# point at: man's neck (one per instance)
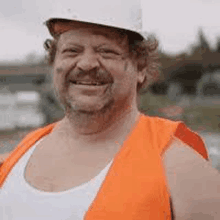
(114, 130)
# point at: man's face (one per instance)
(93, 72)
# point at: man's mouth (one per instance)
(89, 83)
(90, 87)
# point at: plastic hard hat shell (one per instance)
(124, 14)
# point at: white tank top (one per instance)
(20, 201)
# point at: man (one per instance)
(105, 160)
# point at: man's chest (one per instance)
(54, 174)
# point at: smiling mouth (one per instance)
(88, 83)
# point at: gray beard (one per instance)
(74, 110)
(90, 122)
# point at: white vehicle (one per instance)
(209, 84)
(21, 110)
(27, 109)
(7, 103)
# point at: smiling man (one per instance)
(104, 159)
(95, 77)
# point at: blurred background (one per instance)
(188, 88)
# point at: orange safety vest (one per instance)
(135, 187)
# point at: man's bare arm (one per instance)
(194, 185)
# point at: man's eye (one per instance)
(70, 51)
(107, 51)
(109, 54)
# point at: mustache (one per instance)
(101, 76)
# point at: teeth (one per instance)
(88, 83)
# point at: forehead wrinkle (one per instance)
(108, 33)
(111, 35)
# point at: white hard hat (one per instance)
(123, 14)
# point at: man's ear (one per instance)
(142, 74)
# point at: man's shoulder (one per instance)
(164, 128)
(29, 139)
(3, 157)
(161, 121)
(39, 132)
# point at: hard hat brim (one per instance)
(57, 26)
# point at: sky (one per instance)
(174, 22)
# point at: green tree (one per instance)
(203, 42)
(218, 45)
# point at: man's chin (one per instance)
(90, 109)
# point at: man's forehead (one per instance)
(92, 31)
(109, 33)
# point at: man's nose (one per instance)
(88, 61)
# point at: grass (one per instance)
(150, 101)
(197, 117)
(203, 118)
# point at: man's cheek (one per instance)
(125, 65)
(59, 70)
